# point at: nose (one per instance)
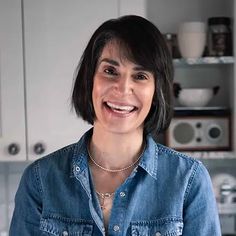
(124, 85)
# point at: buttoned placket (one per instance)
(117, 220)
(118, 213)
(83, 177)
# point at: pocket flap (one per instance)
(162, 227)
(67, 227)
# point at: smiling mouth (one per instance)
(126, 109)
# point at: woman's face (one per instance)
(122, 92)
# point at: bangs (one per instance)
(132, 52)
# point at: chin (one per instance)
(124, 130)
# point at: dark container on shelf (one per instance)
(219, 36)
(171, 41)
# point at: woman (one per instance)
(117, 180)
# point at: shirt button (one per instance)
(77, 168)
(116, 228)
(158, 234)
(135, 232)
(122, 194)
(65, 233)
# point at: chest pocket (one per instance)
(58, 227)
(162, 227)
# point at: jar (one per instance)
(171, 41)
(219, 36)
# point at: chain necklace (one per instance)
(103, 197)
(116, 170)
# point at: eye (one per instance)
(110, 70)
(141, 76)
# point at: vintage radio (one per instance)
(199, 133)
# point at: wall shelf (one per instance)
(203, 61)
(212, 154)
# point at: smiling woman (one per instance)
(139, 43)
(117, 180)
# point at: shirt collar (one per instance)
(80, 155)
(148, 161)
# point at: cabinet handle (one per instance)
(39, 148)
(13, 149)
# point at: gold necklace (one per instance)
(116, 170)
(103, 197)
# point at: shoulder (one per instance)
(179, 164)
(59, 161)
(187, 165)
(51, 169)
(166, 163)
(166, 154)
(185, 170)
(59, 156)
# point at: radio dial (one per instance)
(214, 132)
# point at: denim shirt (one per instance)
(168, 194)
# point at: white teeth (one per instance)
(123, 108)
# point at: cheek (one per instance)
(99, 91)
(101, 85)
(96, 90)
(148, 95)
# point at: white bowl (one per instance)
(195, 97)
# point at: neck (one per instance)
(114, 150)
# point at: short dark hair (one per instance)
(146, 47)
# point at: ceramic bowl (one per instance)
(196, 97)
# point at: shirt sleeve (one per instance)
(200, 209)
(28, 204)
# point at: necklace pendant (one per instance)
(107, 195)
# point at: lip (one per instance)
(120, 109)
(124, 107)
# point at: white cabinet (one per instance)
(41, 44)
(12, 112)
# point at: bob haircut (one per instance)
(143, 44)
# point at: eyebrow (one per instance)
(110, 61)
(116, 63)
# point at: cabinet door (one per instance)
(12, 113)
(56, 33)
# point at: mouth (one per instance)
(120, 109)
